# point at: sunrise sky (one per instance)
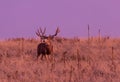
(21, 18)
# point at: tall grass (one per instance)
(74, 61)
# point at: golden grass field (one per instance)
(75, 60)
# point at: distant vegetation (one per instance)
(76, 60)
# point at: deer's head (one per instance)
(44, 38)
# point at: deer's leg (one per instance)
(46, 56)
(50, 57)
(38, 56)
(41, 56)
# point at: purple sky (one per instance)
(21, 18)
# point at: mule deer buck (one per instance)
(45, 47)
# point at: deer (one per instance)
(45, 47)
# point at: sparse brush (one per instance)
(59, 40)
(113, 63)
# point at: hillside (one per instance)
(75, 60)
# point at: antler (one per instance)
(57, 31)
(40, 33)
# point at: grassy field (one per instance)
(75, 60)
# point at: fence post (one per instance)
(22, 46)
(112, 54)
(99, 35)
(88, 34)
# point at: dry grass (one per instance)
(75, 61)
